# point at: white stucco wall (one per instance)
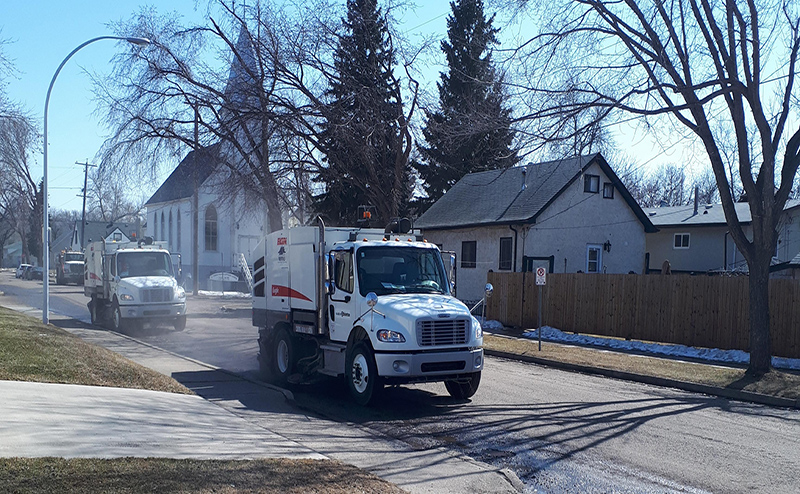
(573, 221)
(789, 235)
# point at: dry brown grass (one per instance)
(138, 475)
(776, 383)
(31, 351)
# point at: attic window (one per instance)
(608, 190)
(591, 183)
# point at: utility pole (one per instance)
(195, 206)
(85, 166)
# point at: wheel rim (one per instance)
(359, 373)
(117, 319)
(283, 356)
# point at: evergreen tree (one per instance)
(471, 131)
(364, 136)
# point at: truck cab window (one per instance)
(343, 271)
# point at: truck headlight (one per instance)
(476, 326)
(180, 293)
(126, 297)
(388, 336)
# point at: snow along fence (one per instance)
(698, 311)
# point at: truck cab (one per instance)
(374, 307)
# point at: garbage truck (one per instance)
(375, 306)
(132, 283)
(69, 267)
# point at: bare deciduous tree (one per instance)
(716, 69)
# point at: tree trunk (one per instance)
(760, 342)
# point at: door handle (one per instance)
(330, 311)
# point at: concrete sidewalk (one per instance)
(41, 419)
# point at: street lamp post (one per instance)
(45, 220)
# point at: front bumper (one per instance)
(152, 311)
(422, 366)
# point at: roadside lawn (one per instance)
(31, 351)
(140, 475)
(775, 383)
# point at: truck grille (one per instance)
(150, 295)
(437, 332)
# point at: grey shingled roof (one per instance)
(707, 214)
(180, 183)
(497, 197)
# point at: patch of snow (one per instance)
(675, 351)
(206, 293)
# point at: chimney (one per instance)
(524, 173)
(696, 191)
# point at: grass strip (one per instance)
(138, 475)
(775, 383)
(32, 351)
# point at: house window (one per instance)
(591, 183)
(608, 190)
(170, 230)
(505, 253)
(211, 228)
(178, 230)
(594, 258)
(117, 237)
(469, 253)
(681, 241)
(161, 235)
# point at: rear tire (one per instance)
(361, 374)
(464, 390)
(282, 357)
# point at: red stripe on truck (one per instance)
(285, 291)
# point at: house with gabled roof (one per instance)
(696, 239)
(570, 215)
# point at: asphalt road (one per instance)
(558, 431)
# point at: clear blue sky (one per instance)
(42, 32)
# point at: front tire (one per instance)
(116, 317)
(361, 374)
(283, 357)
(93, 314)
(466, 389)
(179, 323)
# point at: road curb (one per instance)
(733, 394)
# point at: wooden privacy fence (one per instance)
(698, 311)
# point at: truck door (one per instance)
(342, 306)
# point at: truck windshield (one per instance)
(73, 257)
(389, 269)
(143, 263)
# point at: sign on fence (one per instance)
(541, 276)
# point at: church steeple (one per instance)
(241, 83)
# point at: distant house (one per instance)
(698, 241)
(94, 231)
(571, 215)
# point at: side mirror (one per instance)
(372, 299)
(488, 289)
(116, 279)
